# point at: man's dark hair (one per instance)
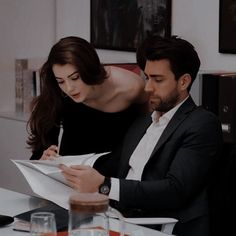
(180, 53)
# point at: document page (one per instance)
(46, 180)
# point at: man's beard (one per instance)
(168, 103)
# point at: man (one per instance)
(166, 156)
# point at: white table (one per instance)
(13, 203)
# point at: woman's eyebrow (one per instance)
(72, 74)
(68, 75)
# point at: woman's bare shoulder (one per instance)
(126, 76)
(130, 84)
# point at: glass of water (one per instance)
(43, 224)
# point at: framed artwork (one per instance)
(123, 24)
(227, 26)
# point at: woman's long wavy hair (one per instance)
(46, 109)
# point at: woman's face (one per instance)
(70, 82)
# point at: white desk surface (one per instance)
(13, 203)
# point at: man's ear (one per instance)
(185, 81)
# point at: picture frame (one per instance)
(123, 24)
(227, 26)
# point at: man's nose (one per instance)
(149, 86)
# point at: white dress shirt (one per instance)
(144, 149)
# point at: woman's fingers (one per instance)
(50, 153)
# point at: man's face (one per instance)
(164, 91)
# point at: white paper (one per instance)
(46, 180)
(68, 160)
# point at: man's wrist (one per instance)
(105, 187)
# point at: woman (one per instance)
(94, 104)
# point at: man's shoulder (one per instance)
(201, 115)
(190, 107)
(200, 110)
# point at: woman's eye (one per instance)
(75, 77)
(60, 81)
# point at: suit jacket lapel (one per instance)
(177, 119)
(133, 139)
(141, 127)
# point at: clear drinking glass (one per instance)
(43, 224)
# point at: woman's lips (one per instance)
(76, 95)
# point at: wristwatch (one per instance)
(105, 187)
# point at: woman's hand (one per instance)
(50, 153)
(83, 178)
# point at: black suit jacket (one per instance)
(175, 179)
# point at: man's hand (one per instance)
(83, 178)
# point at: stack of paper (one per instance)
(46, 179)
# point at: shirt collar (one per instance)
(158, 117)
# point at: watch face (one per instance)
(104, 189)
